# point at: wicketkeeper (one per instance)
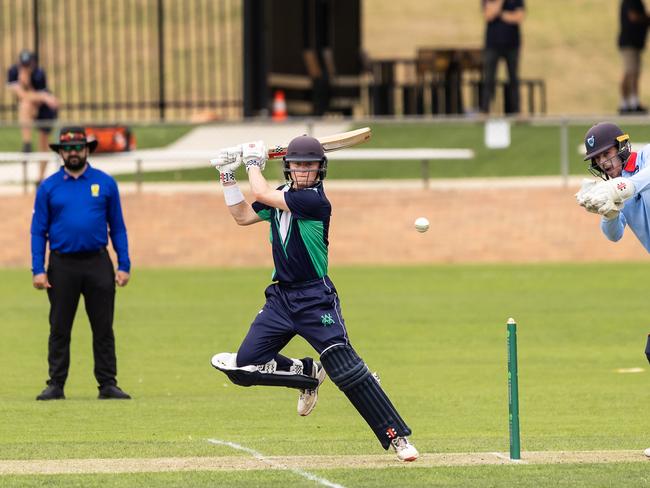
(302, 300)
(621, 198)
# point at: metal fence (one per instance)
(130, 59)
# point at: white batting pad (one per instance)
(226, 361)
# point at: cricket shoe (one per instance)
(404, 449)
(308, 398)
(112, 392)
(52, 392)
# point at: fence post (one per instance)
(35, 8)
(564, 151)
(161, 61)
(25, 178)
(425, 173)
(138, 175)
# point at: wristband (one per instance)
(233, 195)
(227, 177)
(254, 162)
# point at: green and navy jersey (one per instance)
(299, 237)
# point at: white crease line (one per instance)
(507, 458)
(261, 457)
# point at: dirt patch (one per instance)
(369, 226)
(238, 463)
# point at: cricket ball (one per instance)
(421, 224)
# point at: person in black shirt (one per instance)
(502, 40)
(631, 41)
(35, 102)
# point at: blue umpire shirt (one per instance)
(76, 215)
(636, 212)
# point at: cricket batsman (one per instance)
(302, 300)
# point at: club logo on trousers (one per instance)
(327, 320)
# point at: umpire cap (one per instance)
(70, 136)
(601, 137)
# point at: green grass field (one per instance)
(435, 334)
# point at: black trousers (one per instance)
(73, 275)
(490, 61)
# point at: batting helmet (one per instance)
(305, 149)
(600, 138)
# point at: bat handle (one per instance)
(277, 153)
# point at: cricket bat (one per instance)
(330, 143)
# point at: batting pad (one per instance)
(348, 371)
(263, 375)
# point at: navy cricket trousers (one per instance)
(311, 310)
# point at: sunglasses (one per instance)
(73, 147)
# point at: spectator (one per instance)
(75, 210)
(631, 41)
(35, 102)
(502, 40)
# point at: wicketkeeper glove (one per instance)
(254, 154)
(607, 194)
(226, 162)
(612, 214)
(587, 185)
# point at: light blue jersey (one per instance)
(636, 212)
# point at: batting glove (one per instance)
(226, 162)
(254, 154)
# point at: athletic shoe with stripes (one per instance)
(308, 398)
(404, 449)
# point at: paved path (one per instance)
(204, 138)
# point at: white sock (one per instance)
(633, 101)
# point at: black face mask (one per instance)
(74, 163)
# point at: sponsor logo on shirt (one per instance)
(94, 190)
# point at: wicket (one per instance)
(513, 389)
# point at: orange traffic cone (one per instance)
(279, 106)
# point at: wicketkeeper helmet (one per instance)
(305, 149)
(600, 138)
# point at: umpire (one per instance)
(75, 210)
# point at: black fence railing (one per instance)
(110, 60)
